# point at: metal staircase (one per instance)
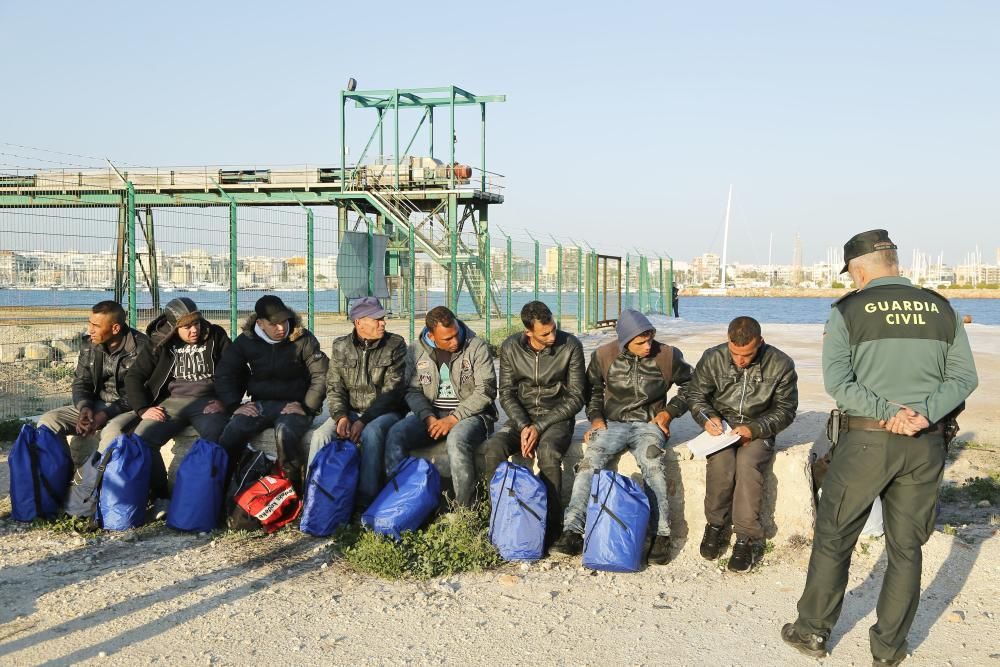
(470, 263)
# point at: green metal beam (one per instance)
(285, 197)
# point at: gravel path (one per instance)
(155, 596)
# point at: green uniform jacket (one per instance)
(894, 343)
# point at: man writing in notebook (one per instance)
(752, 387)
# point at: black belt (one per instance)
(852, 423)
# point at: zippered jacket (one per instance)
(293, 369)
(367, 377)
(764, 396)
(541, 388)
(97, 377)
(146, 382)
(635, 389)
(472, 374)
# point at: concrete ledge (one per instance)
(788, 509)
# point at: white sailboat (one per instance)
(721, 290)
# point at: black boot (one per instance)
(743, 556)
(810, 644)
(570, 544)
(711, 542)
(659, 552)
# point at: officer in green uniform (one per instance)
(897, 361)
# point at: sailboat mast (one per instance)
(725, 236)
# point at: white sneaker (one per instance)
(160, 507)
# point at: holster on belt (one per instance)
(833, 423)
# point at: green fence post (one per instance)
(628, 272)
(664, 300)
(310, 270)
(670, 284)
(579, 289)
(233, 270)
(133, 309)
(453, 237)
(371, 257)
(412, 261)
(487, 287)
(559, 284)
(510, 262)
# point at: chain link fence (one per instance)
(59, 258)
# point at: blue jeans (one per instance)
(372, 451)
(646, 442)
(462, 440)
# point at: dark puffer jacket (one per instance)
(636, 389)
(367, 377)
(146, 382)
(292, 370)
(541, 388)
(100, 376)
(764, 395)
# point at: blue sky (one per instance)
(624, 124)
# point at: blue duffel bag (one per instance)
(617, 520)
(518, 502)
(410, 496)
(40, 473)
(330, 487)
(124, 492)
(196, 503)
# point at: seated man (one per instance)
(754, 388)
(452, 388)
(542, 383)
(171, 385)
(628, 409)
(99, 404)
(365, 386)
(279, 364)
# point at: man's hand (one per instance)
(596, 425)
(84, 422)
(529, 440)
(744, 432)
(713, 426)
(214, 407)
(356, 428)
(293, 408)
(343, 428)
(662, 419)
(248, 410)
(155, 413)
(906, 422)
(439, 428)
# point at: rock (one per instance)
(324, 566)
(956, 616)
(510, 580)
(10, 352)
(66, 346)
(37, 352)
(984, 503)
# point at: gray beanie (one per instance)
(631, 323)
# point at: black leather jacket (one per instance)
(369, 379)
(764, 395)
(100, 376)
(291, 370)
(541, 388)
(636, 389)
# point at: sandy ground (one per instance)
(155, 596)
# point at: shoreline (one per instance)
(800, 293)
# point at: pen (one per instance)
(705, 417)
